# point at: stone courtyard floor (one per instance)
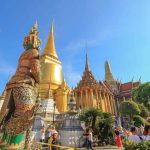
(104, 148)
(99, 148)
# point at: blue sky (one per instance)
(114, 30)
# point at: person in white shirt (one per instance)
(53, 130)
(42, 134)
(90, 138)
(134, 136)
(147, 133)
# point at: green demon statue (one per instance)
(17, 113)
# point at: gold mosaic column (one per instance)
(100, 99)
(105, 102)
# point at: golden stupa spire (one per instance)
(108, 74)
(50, 45)
(86, 63)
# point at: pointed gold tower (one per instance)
(108, 74)
(51, 68)
(50, 45)
(109, 77)
(86, 62)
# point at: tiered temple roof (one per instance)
(88, 79)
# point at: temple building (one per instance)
(51, 70)
(105, 95)
(91, 93)
(126, 90)
(122, 91)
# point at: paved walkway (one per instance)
(98, 148)
(105, 148)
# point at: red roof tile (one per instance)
(126, 86)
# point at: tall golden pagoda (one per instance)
(109, 77)
(51, 74)
(51, 68)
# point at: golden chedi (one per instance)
(51, 74)
(51, 68)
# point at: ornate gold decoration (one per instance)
(51, 67)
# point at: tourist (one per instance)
(48, 134)
(140, 131)
(118, 138)
(42, 136)
(53, 130)
(90, 138)
(86, 137)
(134, 136)
(146, 133)
(128, 132)
(124, 134)
(55, 141)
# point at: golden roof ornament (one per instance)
(32, 41)
(50, 49)
(108, 73)
(87, 77)
(86, 63)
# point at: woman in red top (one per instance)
(118, 139)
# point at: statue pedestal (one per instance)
(71, 133)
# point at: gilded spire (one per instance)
(108, 74)
(86, 63)
(50, 45)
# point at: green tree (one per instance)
(142, 94)
(101, 122)
(90, 116)
(105, 128)
(129, 108)
(144, 111)
(138, 121)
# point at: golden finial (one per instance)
(86, 63)
(36, 25)
(34, 29)
(50, 45)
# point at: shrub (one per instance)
(138, 121)
(144, 111)
(129, 108)
(133, 146)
